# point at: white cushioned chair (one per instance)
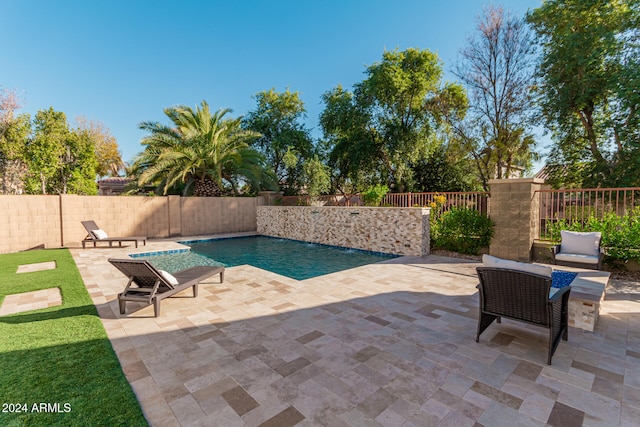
(581, 250)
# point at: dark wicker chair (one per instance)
(148, 285)
(523, 296)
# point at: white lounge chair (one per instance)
(581, 250)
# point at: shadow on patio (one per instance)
(396, 358)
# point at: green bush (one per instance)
(620, 234)
(461, 230)
(373, 195)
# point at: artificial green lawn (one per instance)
(59, 355)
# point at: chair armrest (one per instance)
(600, 258)
(555, 249)
(559, 294)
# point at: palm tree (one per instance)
(200, 148)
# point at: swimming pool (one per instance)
(298, 260)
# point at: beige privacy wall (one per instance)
(29, 221)
(401, 231)
(54, 221)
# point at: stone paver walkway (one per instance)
(388, 344)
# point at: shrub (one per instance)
(461, 230)
(373, 195)
(620, 234)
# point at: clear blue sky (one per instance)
(121, 62)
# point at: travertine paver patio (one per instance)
(386, 344)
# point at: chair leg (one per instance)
(156, 306)
(552, 345)
(483, 323)
(122, 303)
(195, 290)
(222, 276)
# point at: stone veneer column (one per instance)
(515, 209)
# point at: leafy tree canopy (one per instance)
(388, 121)
(443, 170)
(107, 153)
(201, 148)
(60, 160)
(496, 67)
(589, 76)
(14, 132)
(283, 138)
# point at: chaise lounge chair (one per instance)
(97, 235)
(147, 284)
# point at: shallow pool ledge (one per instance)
(399, 231)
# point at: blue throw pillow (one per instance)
(560, 279)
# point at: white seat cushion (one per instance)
(491, 261)
(169, 278)
(99, 234)
(585, 259)
(574, 242)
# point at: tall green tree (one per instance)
(284, 140)
(496, 67)
(388, 121)
(45, 150)
(316, 175)
(14, 132)
(589, 75)
(60, 160)
(200, 148)
(443, 169)
(78, 164)
(107, 152)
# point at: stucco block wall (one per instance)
(212, 215)
(55, 221)
(515, 209)
(175, 215)
(29, 221)
(402, 231)
(118, 216)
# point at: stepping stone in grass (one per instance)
(39, 266)
(27, 301)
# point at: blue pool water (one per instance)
(298, 260)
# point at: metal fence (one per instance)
(471, 199)
(477, 200)
(581, 204)
(330, 200)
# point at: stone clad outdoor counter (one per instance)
(587, 295)
(400, 231)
